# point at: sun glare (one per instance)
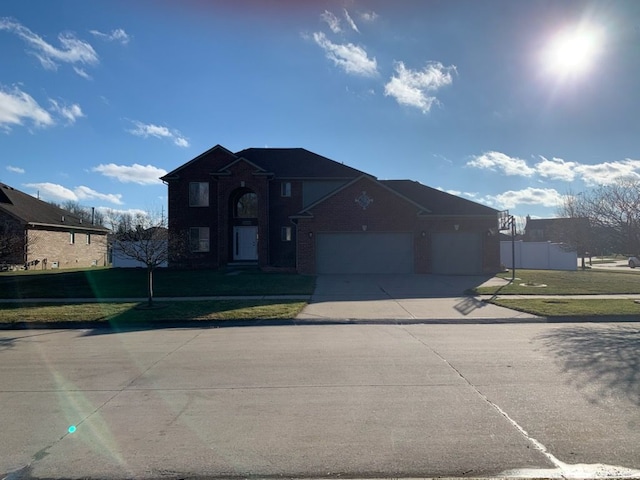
(573, 52)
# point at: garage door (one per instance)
(364, 253)
(456, 253)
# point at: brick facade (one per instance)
(388, 212)
(51, 247)
(333, 189)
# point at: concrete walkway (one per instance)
(403, 298)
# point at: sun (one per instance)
(573, 52)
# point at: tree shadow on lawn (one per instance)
(603, 360)
(107, 318)
(178, 315)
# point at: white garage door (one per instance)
(364, 253)
(456, 253)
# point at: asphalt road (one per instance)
(321, 401)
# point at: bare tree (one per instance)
(17, 245)
(144, 238)
(12, 243)
(87, 214)
(613, 212)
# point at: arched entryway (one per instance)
(244, 225)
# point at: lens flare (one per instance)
(573, 51)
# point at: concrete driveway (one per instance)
(403, 298)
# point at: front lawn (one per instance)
(126, 283)
(557, 282)
(122, 314)
(567, 307)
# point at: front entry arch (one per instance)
(244, 225)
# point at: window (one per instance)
(72, 238)
(88, 239)
(199, 239)
(247, 206)
(285, 234)
(199, 194)
(285, 189)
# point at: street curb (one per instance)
(174, 324)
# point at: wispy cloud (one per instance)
(146, 130)
(556, 169)
(415, 88)
(604, 173)
(140, 174)
(547, 197)
(330, 19)
(13, 169)
(56, 192)
(503, 163)
(369, 16)
(69, 113)
(18, 107)
(352, 58)
(608, 172)
(117, 35)
(72, 50)
(350, 21)
(86, 193)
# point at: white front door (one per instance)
(245, 243)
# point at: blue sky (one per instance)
(511, 104)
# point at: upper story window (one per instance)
(199, 194)
(247, 206)
(285, 189)
(72, 237)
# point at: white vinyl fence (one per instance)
(119, 260)
(539, 256)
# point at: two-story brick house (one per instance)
(290, 208)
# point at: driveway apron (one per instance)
(402, 298)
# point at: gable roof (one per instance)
(32, 211)
(437, 201)
(174, 173)
(305, 212)
(298, 163)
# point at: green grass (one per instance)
(122, 314)
(117, 283)
(580, 282)
(547, 307)
(105, 283)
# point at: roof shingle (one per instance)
(298, 163)
(30, 210)
(437, 201)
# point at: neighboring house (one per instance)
(39, 235)
(289, 208)
(573, 232)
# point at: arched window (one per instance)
(247, 206)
